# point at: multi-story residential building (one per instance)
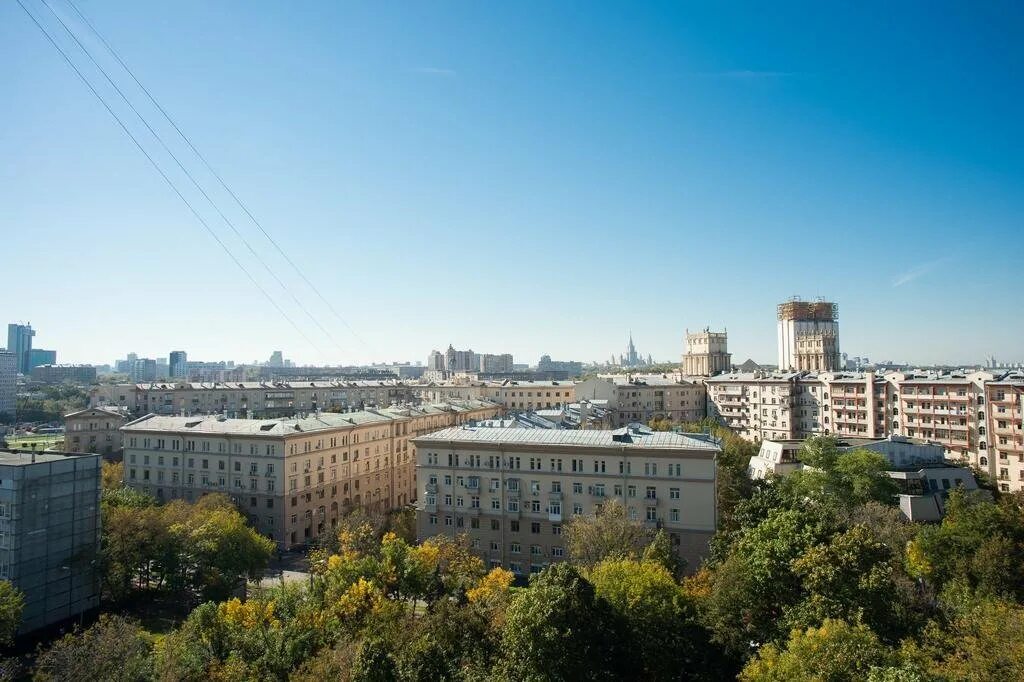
(1001, 443)
(58, 374)
(178, 364)
(571, 368)
(510, 394)
(252, 399)
(40, 356)
(50, 533)
(8, 384)
(707, 353)
(643, 397)
(95, 430)
(809, 336)
(19, 342)
(973, 415)
(495, 364)
(143, 369)
(294, 477)
(511, 490)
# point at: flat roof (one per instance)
(27, 457)
(573, 438)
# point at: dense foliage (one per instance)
(816, 577)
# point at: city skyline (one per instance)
(732, 158)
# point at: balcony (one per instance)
(555, 495)
(472, 484)
(554, 517)
(431, 487)
(430, 506)
(473, 511)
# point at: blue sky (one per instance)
(521, 177)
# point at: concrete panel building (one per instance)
(511, 490)
(59, 374)
(50, 533)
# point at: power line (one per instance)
(188, 174)
(215, 174)
(159, 170)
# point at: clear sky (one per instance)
(521, 177)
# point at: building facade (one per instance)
(252, 398)
(50, 533)
(293, 477)
(177, 364)
(643, 397)
(40, 356)
(19, 342)
(809, 336)
(59, 374)
(8, 385)
(511, 490)
(95, 430)
(707, 353)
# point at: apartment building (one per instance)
(50, 533)
(974, 416)
(510, 394)
(59, 374)
(511, 490)
(251, 399)
(1001, 443)
(96, 430)
(643, 397)
(294, 477)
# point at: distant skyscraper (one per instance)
(276, 359)
(143, 370)
(809, 336)
(8, 383)
(178, 364)
(19, 342)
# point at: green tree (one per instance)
(664, 638)
(12, 603)
(841, 478)
(607, 533)
(114, 649)
(558, 629)
(834, 652)
(753, 589)
(851, 578)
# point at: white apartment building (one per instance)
(511, 490)
(8, 383)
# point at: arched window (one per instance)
(983, 461)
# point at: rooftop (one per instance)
(631, 437)
(26, 457)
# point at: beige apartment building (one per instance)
(251, 398)
(707, 353)
(643, 397)
(975, 416)
(522, 396)
(512, 490)
(95, 430)
(1001, 446)
(294, 477)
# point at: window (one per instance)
(673, 515)
(515, 548)
(535, 527)
(673, 493)
(577, 488)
